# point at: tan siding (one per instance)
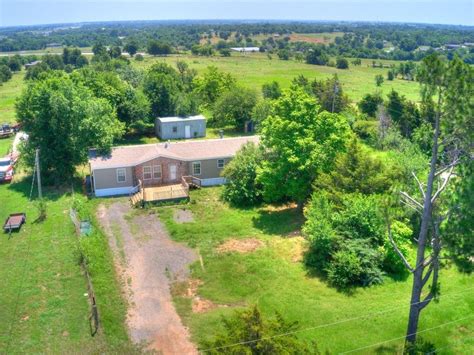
(209, 168)
(107, 178)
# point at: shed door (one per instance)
(187, 131)
(172, 168)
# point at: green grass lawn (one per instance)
(5, 145)
(43, 303)
(275, 278)
(9, 91)
(254, 70)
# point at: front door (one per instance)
(187, 131)
(172, 172)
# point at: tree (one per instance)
(379, 80)
(158, 48)
(115, 52)
(99, 49)
(448, 88)
(53, 61)
(317, 56)
(242, 188)
(330, 94)
(14, 63)
(390, 75)
(342, 63)
(355, 171)
(131, 48)
(370, 103)
(234, 107)
(212, 84)
(161, 85)
(63, 120)
(250, 333)
(225, 52)
(271, 90)
(261, 111)
(301, 142)
(5, 73)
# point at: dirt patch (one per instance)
(298, 250)
(148, 260)
(183, 216)
(240, 245)
(201, 305)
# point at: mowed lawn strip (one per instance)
(9, 91)
(43, 299)
(275, 278)
(255, 69)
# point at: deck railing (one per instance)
(192, 180)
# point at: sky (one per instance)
(31, 12)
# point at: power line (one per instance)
(453, 344)
(325, 325)
(403, 337)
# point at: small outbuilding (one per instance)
(180, 127)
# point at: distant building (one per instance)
(180, 127)
(54, 45)
(245, 49)
(32, 64)
(453, 46)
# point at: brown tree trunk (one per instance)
(416, 304)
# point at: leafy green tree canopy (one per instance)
(302, 142)
(63, 119)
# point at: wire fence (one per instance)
(94, 313)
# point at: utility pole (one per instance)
(336, 90)
(38, 174)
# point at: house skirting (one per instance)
(116, 191)
(213, 181)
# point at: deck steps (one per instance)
(136, 198)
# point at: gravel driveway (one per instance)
(147, 259)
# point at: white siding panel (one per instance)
(213, 181)
(116, 191)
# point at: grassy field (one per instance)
(43, 299)
(254, 70)
(9, 91)
(275, 278)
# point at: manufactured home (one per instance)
(130, 168)
(180, 127)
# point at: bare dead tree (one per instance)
(448, 152)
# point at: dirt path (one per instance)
(147, 259)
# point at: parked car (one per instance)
(6, 168)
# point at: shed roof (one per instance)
(187, 151)
(181, 119)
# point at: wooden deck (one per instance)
(163, 193)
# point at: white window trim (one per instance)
(200, 168)
(151, 172)
(223, 163)
(124, 175)
(154, 169)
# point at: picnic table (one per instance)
(14, 221)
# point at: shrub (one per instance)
(345, 269)
(392, 262)
(342, 63)
(252, 333)
(361, 219)
(319, 231)
(242, 188)
(139, 58)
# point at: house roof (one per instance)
(181, 119)
(186, 151)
